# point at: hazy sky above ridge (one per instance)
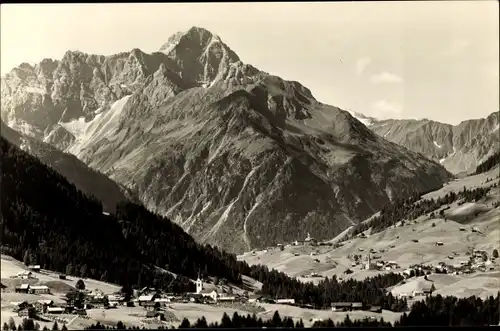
(436, 60)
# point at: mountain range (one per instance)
(459, 148)
(238, 157)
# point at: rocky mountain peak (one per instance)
(200, 55)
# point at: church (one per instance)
(210, 293)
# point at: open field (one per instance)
(398, 243)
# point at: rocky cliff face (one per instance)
(238, 157)
(458, 148)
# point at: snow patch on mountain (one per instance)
(437, 145)
(362, 118)
(496, 128)
(102, 125)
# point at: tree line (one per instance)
(433, 311)
(488, 164)
(47, 221)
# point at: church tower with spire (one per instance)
(199, 284)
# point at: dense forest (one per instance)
(46, 220)
(487, 165)
(414, 206)
(433, 311)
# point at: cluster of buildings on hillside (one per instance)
(308, 241)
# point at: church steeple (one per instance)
(199, 283)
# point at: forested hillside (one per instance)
(46, 218)
(490, 162)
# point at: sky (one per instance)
(437, 60)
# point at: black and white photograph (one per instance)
(249, 165)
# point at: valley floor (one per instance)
(136, 316)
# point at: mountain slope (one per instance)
(78, 173)
(64, 230)
(238, 157)
(458, 148)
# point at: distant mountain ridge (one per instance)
(459, 148)
(238, 157)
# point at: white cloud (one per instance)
(384, 109)
(385, 77)
(362, 63)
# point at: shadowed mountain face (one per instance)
(460, 148)
(78, 173)
(238, 157)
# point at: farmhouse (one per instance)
(24, 288)
(143, 299)
(55, 310)
(42, 305)
(376, 309)
(39, 289)
(439, 243)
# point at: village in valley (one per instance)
(434, 254)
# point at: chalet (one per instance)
(286, 301)
(24, 288)
(42, 305)
(462, 228)
(375, 309)
(147, 298)
(55, 310)
(63, 277)
(417, 293)
(427, 289)
(95, 302)
(39, 289)
(439, 243)
(34, 268)
(357, 306)
(341, 306)
(415, 240)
